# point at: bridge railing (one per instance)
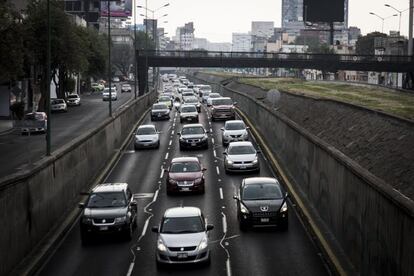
(278, 56)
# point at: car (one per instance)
(212, 96)
(196, 88)
(147, 136)
(34, 122)
(116, 79)
(222, 108)
(185, 174)
(204, 89)
(126, 88)
(261, 201)
(109, 208)
(73, 100)
(98, 87)
(105, 94)
(234, 131)
(193, 136)
(206, 95)
(194, 101)
(183, 237)
(58, 105)
(241, 156)
(188, 113)
(166, 99)
(160, 111)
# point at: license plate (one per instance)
(185, 189)
(103, 228)
(243, 167)
(159, 115)
(264, 220)
(189, 119)
(182, 255)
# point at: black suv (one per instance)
(261, 202)
(110, 208)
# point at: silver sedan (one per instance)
(241, 156)
(147, 136)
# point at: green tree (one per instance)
(11, 46)
(122, 56)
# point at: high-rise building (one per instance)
(262, 28)
(185, 36)
(242, 42)
(89, 10)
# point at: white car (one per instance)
(188, 113)
(73, 100)
(234, 131)
(57, 105)
(241, 156)
(147, 136)
(212, 96)
(126, 88)
(105, 94)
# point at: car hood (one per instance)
(185, 176)
(105, 212)
(146, 137)
(192, 136)
(257, 205)
(188, 114)
(235, 132)
(222, 106)
(182, 240)
(160, 111)
(242, 157)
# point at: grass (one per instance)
(393, 102)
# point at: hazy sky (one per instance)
(217, 19)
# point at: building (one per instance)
(353, 34)
(184, 36)
(89, 10)
(201, 43)
(151, 27)
(263, 28)
(241, 42)
(219, 46)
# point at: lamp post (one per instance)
(135, 50)
(48, 67)
(382, 19)
(109, 59)
(399, 12)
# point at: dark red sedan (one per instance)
(185, 174)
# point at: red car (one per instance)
(185, 174)
(222, 108)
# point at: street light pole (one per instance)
(382, 19)
(410, 28)
(135, 50)
(48, 67)
(109, 59)
(400, 13)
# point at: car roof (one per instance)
(193, 125)
(110, 187)
(233, 122)
(187, 105)
(221, 98)
(146, 126)
(259, 180)
(185, 159)
(180, 212)
(158, 104)
(243, 143)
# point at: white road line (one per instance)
(218, 170)
(211, 130)
(131, 267)
(169, 128)
(162, 172)
(144, 230)
(155, 196)
(172, 132)
(221, 193)
(166, 156)
(223, 218)
(215, 153)
(228, 267)
(170, 143)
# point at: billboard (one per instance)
(324, 10)
(122, 8)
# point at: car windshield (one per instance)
(191, 100)
(126, 85)
(34, 117)
(192, 130)
(180, 167)
(222, 102)
(145, 131)
(164, 99)
(187, 109)
(159, 106)
(205, 88)
(186, 94)
(73, 96)
(106, 200)
(214, 95)
(262, 191)
(58, 101)
(182, 225)
(235, 126)
(235, 150)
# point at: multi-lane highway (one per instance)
(22, 151)
(255, 252)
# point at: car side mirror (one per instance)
(134, 203)
(155, 229)
(258, 151)
(222, 129)
(159, 132)
(236, 197)
(81, 205)
(224, 153)
(247, 127)
(203, 169)
(235, 103)
(286, 195)
(209, 227)
(207, 131)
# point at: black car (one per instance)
(261, 202)
(110, 208)
(193, 136)
(160, 111)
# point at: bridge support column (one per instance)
(142, 79)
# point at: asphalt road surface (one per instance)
(19, 152)
(255, 252)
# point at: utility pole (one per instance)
(109, 59)
(410, 29)
(135, 50)
(48, 68)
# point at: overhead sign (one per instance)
(324, 10)
(122, 8)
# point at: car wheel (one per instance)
(158, 145)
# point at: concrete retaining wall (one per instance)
(372, 223)
(33, 202)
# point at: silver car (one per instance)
(241, 156)
(234, 131)
(188, 113)
(183, 237)
(73, 100)
(57, 105)
(212, 96)
(147, 136)
(105, 94)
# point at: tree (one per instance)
(11, 46)
(366, 44)
(122, 57)
(144, 41)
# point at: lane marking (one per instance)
(215, 153)
(211, 130)
(228, 267)
(218, 170)
(162, 173)
(224, 220)
(212, 140)
(170, 143)
(172, 132)
(144, 230)
(221, 193)
(166, 156)
(131, 267)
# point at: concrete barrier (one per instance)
(33, 202)
(370, 224)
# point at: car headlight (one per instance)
(167, 111)
(86, 220)
(229, 162)
(243, 209)
(160, 245)
(205, 137)
(120, 219)
(284, 208)
(203, 244)
(198, 180)
(172, 181)
(255, 161)
(245, 134)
